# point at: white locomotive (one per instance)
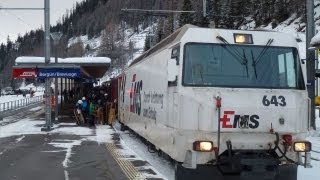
(224, 104)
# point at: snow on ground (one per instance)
(13, 101)
(102, 134)
(134, 149)
(67, 146)
(20, 138)
(138, 40)
(22, 127)
(94, 43)
(162, 165)
(71, 60)
(31, 86)
(17, 101)
(312, 173)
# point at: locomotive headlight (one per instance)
(203, 146)
(243, 38)
(302, 146)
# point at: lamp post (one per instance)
(47, 62)
(56, 38)
(310, 63)
(46, 10)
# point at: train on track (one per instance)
(223, 104)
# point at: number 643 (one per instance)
(277, 101)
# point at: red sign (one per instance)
(28, 73)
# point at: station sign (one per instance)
(59, 73)
(28, 73)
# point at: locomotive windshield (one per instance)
(230, 65)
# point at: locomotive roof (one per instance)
(178, 35)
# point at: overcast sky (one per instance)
(14, 22)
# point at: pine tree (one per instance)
(76, 50)
(168, 26)
(159, 34)
(238, 11)
(147, 44)
(224, 14)
(186, 18)
(2, 56)
(281, 9)
(90, 31)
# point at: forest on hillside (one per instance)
(109, 19)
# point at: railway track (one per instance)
(17, 115)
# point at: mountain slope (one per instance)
(101, 28)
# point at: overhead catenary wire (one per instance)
(6, 9)
(17, 17)
(155, 11)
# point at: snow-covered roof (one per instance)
(315, 41)
(74, 60)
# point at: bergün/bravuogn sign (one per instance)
(58, 73)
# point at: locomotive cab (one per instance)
(229, 103)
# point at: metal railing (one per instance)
(17, 104)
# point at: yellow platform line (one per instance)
(127, 167)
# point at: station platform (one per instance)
(68, 151)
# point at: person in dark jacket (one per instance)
(65, 95)
(104, 102)
(92, 112)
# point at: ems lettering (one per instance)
(232, 120)
(135, 96)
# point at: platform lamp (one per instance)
(56, 36)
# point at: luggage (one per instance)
(79, 117)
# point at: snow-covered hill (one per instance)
(294, 25)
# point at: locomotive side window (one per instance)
(286, 70)
(229, 65)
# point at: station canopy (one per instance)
(90, 67)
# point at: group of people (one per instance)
(94, 108)
(68, 96)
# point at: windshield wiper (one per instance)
(235, 53)
(245, 62)
(255, 62)
(242, 59)
(254, 65)
(264, 50)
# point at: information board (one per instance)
(58, 73)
